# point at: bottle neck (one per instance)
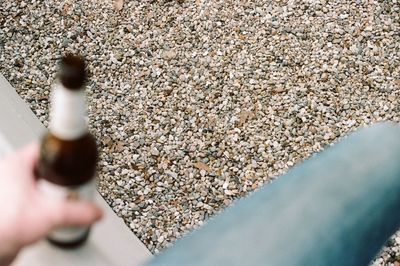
(68, 112)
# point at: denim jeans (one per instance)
(336, 208)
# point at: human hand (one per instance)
(26, 215)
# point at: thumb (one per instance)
(71, 212)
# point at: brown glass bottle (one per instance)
(68, 154)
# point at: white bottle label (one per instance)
(68, 112)
(84, 192)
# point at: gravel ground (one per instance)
(198, 103)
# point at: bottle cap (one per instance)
(72, 72)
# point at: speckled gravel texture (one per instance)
(197, 103)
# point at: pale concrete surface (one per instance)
(111, 242)
(18, 123)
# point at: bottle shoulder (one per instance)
(68, 162)
(87, 140)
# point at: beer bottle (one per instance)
(68, 153)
